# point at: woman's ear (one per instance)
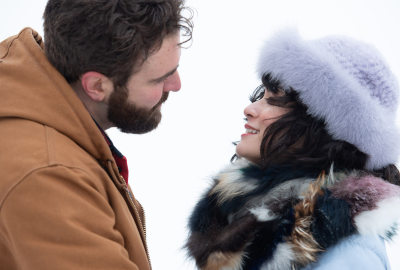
(97, 86)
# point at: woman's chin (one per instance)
(241, 150)
(245, 150)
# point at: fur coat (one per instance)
(284, 219)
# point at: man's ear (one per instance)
(96, 85)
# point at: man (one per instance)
(64, 198)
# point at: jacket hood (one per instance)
(31, 88)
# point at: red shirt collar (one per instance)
(120, 159)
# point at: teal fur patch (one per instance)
(392, 232)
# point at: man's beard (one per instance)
(130, 118)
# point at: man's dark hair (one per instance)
(112, 37)
(302, 140)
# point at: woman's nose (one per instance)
(251, 111)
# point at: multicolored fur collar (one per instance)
(283, 219)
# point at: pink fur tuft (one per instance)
(363, 193)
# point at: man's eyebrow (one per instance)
(164, 76)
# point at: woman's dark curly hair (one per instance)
(112, 37)
(302, 140)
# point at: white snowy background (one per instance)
(170, 167)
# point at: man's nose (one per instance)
(173, 83)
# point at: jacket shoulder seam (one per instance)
(18, 182)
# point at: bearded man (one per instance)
(65, 202)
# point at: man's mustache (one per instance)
(164, 98)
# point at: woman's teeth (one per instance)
(252, 131)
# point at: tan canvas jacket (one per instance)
(63, 204)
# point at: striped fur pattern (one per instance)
(305, 247)
(283, 257)
(284, 219)
(224, 260)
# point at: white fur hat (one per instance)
(346, 83)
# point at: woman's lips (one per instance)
(250, 130)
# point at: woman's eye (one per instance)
(245, 119)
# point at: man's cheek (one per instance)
(155, 97)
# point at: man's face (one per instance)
(136, 108)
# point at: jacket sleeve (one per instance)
(57, 218)
(354, 253)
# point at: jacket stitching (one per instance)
(46, 167)
(50, 145)
(9, 245)
(12, 41)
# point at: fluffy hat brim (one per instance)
(350, 113)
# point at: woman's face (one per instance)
(260, 115)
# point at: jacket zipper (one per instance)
(143, 223)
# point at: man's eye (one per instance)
(162, 80)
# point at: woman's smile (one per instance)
(250, 130)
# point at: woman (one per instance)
(313, 185)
